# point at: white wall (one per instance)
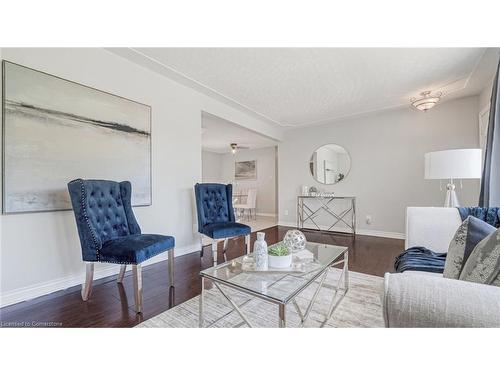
(40, 252)
(387, 152)
(211, 167)
(484, 103)
(485, 97)
(266, 176)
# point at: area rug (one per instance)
(361, 307)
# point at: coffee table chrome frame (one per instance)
(344, 276)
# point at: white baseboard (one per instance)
(364, 232)
(41, 289)
(380, 233)
(266, 214)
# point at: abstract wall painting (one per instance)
(55, 130)
(245, 170)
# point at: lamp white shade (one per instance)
(449, 164)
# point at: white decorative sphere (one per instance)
(295, 240)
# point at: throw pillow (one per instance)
(468, 235)
(483, 265)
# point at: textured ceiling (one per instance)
(218, 134)
(305, 86)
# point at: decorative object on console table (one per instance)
(110, 233)
(310, 207)
(451, 165)
(313, 190)
(305, 190)
(56, 130)
(324, 194)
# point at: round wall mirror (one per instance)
(330, 164)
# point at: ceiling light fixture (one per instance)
(235, 147)
(427, 100)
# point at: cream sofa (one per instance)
(423, 299)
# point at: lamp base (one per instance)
(451, 199)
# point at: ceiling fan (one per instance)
(235, 147)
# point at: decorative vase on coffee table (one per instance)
(260, 252)
(295, 240)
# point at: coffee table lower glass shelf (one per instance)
(281, 288)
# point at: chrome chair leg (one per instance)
(171, 268)
(201, 246)
(89, 277)
(214, 251)
(121, 274)
(136, 272)
(247, 243)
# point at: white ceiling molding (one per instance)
(300, 87)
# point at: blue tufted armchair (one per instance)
(216, 219)
(110, 233)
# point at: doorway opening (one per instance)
(233, 154)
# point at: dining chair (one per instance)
(216, 218)
(109, 232)
(249, 205)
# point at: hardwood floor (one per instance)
(112, 304)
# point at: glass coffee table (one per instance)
(310, 266)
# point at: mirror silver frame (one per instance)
(311, 163)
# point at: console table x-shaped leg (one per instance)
(307, 213)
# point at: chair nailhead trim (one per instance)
(84, 210)
(114, 262)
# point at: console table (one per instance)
(310, 207)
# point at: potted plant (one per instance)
(279, 256)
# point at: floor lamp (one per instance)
(452, 165)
